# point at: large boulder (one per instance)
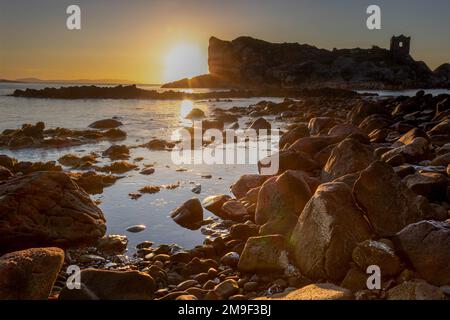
(426, 245)
(189, 215)
(365, 109)
(300, 131)
(245, 183)
(347, 157)
(329, 228)
(312, 145)
(111, 285)
(280, 197)
(370, 252)
(287, 160)
(264, 254)
(320, 124)
(29, 274)
(387, 202)
(413, 152)
(47, 208)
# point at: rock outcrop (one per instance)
(246, 61)
(47, 208)
(29, 274)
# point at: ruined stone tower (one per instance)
(400, 45)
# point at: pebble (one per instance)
(197, 189)
(136, 228)
(186, 285)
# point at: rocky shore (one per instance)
(362, 181)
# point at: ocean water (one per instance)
(143, 120)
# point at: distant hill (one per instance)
(9, 81)
(80, 81)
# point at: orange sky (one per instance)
(154, 41)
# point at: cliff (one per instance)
(248, 62)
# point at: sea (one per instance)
(143, 120)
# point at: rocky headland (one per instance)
(246, 62)
(362, 181)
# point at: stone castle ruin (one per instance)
(400, 45)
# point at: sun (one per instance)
(184, 60)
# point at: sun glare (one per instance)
(184, 61)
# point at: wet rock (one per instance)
(415, 290)
(377, 253)
(374, 122)
(195, 114)
(226, 288)
(47, 208)
(320, 291)
(428, 184)
(413, 152)
(355, 279)
(26, 167)
(105, 124)
(313, 145)
(234, 210)
(345, 129)
(243, 231)
(409, 137)
(261, 124)
(287, 160)
(112, 244)
(426, 244)
(150, 189)
(387, 202)
(281, 197)
(158, 145)
(112, 285)
(197, 189)
(319, 124)
(365, 109)
(29, 274)
(264, 254)
(136, 228)
(300, 131)
(347, 157)
(214, 204)
(230, 259)
(93, 183)
(183, 286)
(322, 241)
(118, 167)
(246, 183)
(5, 173)
(117, 152)
(189, 215)
(74, 161)
(196, 266)
(147, 171)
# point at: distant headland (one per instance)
(247, 62)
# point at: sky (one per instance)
(154, 41)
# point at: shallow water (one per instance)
(143, 120)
